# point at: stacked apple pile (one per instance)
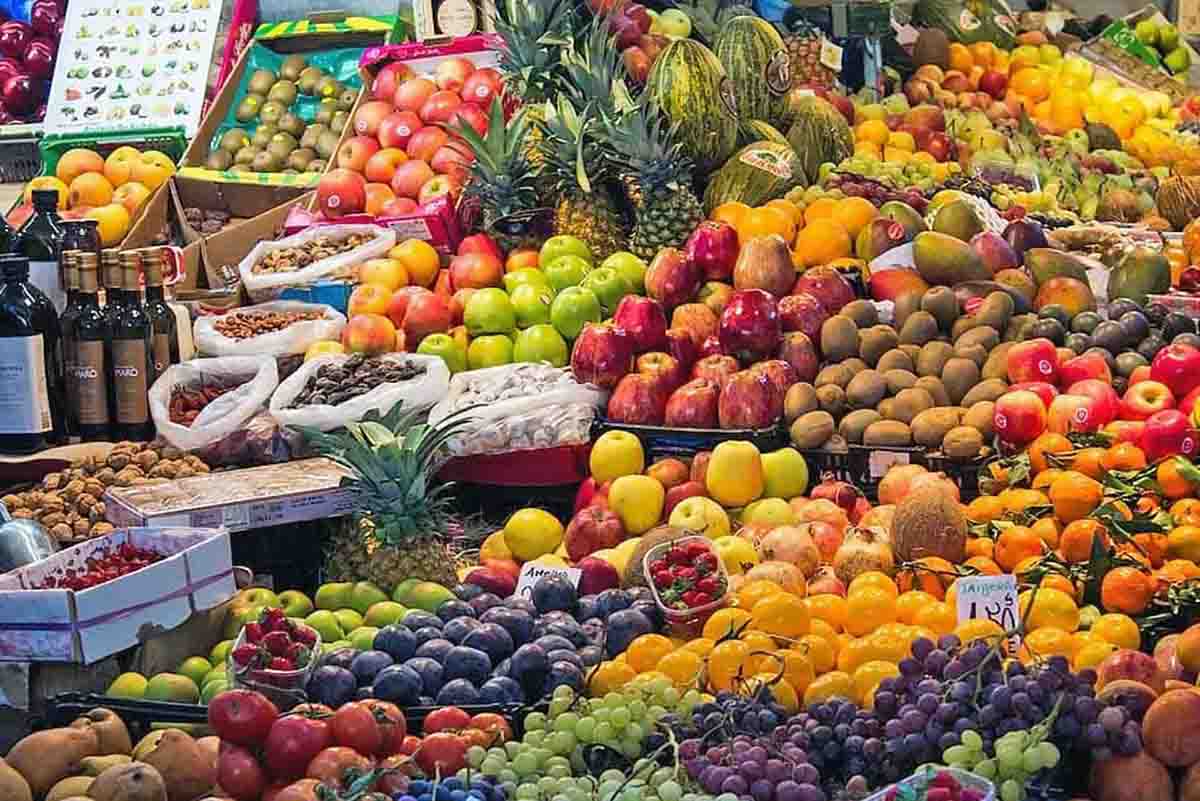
(28, 50)
(641, 33)
(403, 155)
(1048, 394)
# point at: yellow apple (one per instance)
(702, 516)
(638, 501)
(785, 474)
(736, 553)
(735, 474)
(616, 454)
(771, 511)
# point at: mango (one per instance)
(1140, 273)
(959, 220)
(1047, 263)
(945, 260)
(1073, 295)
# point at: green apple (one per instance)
(523, 276)
(295, 603)
(566, 271)
(452, 352)
(172, 687)
(631, 268)
(772, 511)
(557, 246)
(1147, 32)
(492, 350)
(1178, 60)
(400, 593)
(212, 690)
(216, 674)
(427, 595)
(338, 645)
(673, 22)
(348, 619)
(541, 343)
(255, 596)
(531, 304)
(609, 287)
(785, 474)
(489, 311)
(574, 308)
(326, 623)
(1168, 37)
(220, 652)
(195, 668)
(335, 595)
(383, 614)
(363, 638)
(365, 595)
(235, 619)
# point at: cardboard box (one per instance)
(228, 247)
(239, 500)
(86, 626)
(158, 220)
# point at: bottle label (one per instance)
(45, 276)
(129, 381)
(24, 394)
(162, 353)
(70, 360)
(91, 383)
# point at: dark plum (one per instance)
(1054, 311)
(650, 609)
(399, 684)
(518, 623)
(570, 630)
(429, 671)
(455, 630)
(466, 592)
(367, 664)
(1110, 336)
(1077, 342)
(554, 594)
(1157, 313)
(342, 657)
(588, 607)
(554, 642)
(1050, 328)
(563, 673)
(522, 603)
(1150, 346)
(453, 609)
(500, 690)
(485, 601)
(528, 667)
(591, 655)
(396, 641)
(1086, 322)
(611, 601)
(1119, 306)
(1128, 362)
(331, 685)
(426, 634)
(419, 619)
(458, 692)
(435, 649)
(565, 656)
(1135, 324)
(594, 629)
(493, 639)
(363, 693)
(623, 628)
(1176, 324)
(502, 668)
(467, 663)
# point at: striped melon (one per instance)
(759, 172)
(690, 86)
(819, 133)
(754, 58)
(756, 130)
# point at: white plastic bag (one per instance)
(424, 390)
(267, 286)
(292, 340)
(519, 407)
(258, 377)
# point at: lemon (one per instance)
(531, 533)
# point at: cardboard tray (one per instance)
(155, 220)
(86, 626)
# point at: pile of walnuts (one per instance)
(70, 503)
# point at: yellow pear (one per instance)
(735, 474)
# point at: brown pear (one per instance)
(45, 758)
(136, 781)
(765, 263)
(13, 786)
(186, 769)
(114, 736)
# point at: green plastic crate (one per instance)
(167, 140)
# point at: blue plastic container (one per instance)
(331, 293)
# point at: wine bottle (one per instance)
(31, 397)
(40, 241)
(132, 356)
(93, 357)
(67, 324)
(165, 339)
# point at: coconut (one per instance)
(929, 523)
(863, 550)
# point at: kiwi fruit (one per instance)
(887, 432)
(865, 390)
(962, 443)
(996, 365)
(249, 108)
(910, 403)
(895, 359)
(982, 335)
(300, 158)
(942, 304)
(327, 143)
(800, 399)
(245, 155)
(328, 87)
(862, 312)
(346, 98)
(832, 399)
(282, 144)
(931, 425)
(234, 139)
(898, 380)
(836, 374)
(325, 111)
(292, 124)
(311, 134)
(340, 118)
(262, 135)
(839, 338)
(875, 342)
(266, 161)
(958, 376)
(271, 111)
(987, 390)
(812, 430)
(919, 328)
(933, 358)
(292, 67)
(853, 425)
(308, 79)
(219, 160)
(905, 305)
(935, 388)
(261, 82)
(284, 91)
(976, 353)
(979, 417)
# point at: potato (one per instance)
(47, 757)
(812, 430)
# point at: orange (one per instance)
(940, 617)
(1045, 643)
(868, 609)
(1058, 581)
(1015, 544)
(819, 651)
(1126, 589)
(985, 509)
(827, 607)
(929, 573)
(1186, 512)
(90, 189)
(1040, 448)
(1118, 629)
(910, 603)
(794, 212)
(761, 647)
(831, 685)
(701, 645)
(731, 212)
(820, 242)
(1017, 500)
(646, 651)
(725, 663)
(1051, 607)
(419, 259)
(781, 615)
(980, 546)
(854, 213)
(875, 579)
(114, 223)
(978, 628)
(47, 182)
(118, 167)
(1170, 478)
(1074, 496)
(1187, 648)
(798, 668)
(1090, 655)
(985, 565)
(1174, 571)
(874, 131)
(1075, 543)
(378, 196)
(961, 58)
(1033, 83)
(1124, 456)
(76, 162)
(765, 221)
(1049, 530)
(853, 654)
(725, 622)
(868, 676)
(608, 677)
(1090, 462)
(752, 592)
(131, 195)
(1153, 546)
(983, 53)
(819, 209)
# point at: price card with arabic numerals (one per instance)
(992, 598)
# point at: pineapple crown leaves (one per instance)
(650, 146)
(594, 69)
(709, 15)
(533, 35)
(501, 174)
(569, 146)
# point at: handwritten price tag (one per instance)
(530, 573)
(991, 598)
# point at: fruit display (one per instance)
(30, 47)
(336, 383)
(99, 567)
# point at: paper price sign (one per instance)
(991, 598)
(531, 573)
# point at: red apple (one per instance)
(685, 350)
(940, 146)
(672, 279)
(597, 575)
(1189, 401)
(389, 79)
(480, 243)
(410, 177)
(468, 115)
(1069, 413)
(1047, 392)
(585, 493)
(1167, 433)
(1140, 373)
(453, 73)
(637, 400)
(397, 128)
(749, 399)
(398, 304)
(413, 93)
(843, 104)
(458, 302)
(804, 313)
(381, 166)
(425, 142)
(694, 405)
(926, 116)
(714, 295)
(453, 158)
(644, 320)
(652, 44)
(749, 327)
(355, 151)
(1106, 403)
(601, 355)
(440, 107)
(713, 248)
(717, 367)
(1146, 398)
(994, 82)
(369, 117)
(1177, 366)
(426, 314)
(797, 350)
(1019, 417)
(398, 207)
(481, 86)
(1125, 431)
(439, 186)
(341, 192)
(593, 528)
(711, 347)
(1033, 360)
(779, 371)
(477, 270)
(688, 489)
(1082, 367)
(663, 368)
(831, 289)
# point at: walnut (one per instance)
(147, 459)
(118, 460)
(201, 468)
(33, 498)
(193, 462)
(100, 529)
(106, 475)
(171, 452)
(53, 519)
(52, 503)
(126, 477)
(62, 532)
(165, 469)
(185, 471)
(82, 527)
(94, 487)
(72, 491)
(86, 502)
(89, 465)
(96, 513)
(156, 481)
(12, 502)
(52, 481)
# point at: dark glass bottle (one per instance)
(114, 294)
(40, 241)
(90, 382)
(132, 357)
(162, 319)
(31, 397)
(83, 235)
(67, 322)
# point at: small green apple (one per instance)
(220, 651)
(365, 595)
(334, 595)
(383, 614)
(363, 638)
(609, 286)
(492, 350)
(541, 343)
(326, 624)
(348, 619)
(450, 350)
(489, 311)
(566, 271)
(563, 245)
(531, 304)
(574, 308)
(295, 603)
(235, 619)
(631, 268)
(523, 276)
(673, 22)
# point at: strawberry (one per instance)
(685, 574)
(677, 556)
(693, 599)
(662, 579)
(254, 631)
(273, 619)
(706, 562)
(708, 585)
(305, 635)
(658, 565)
(281, 663)
(697, 548)
(276, 642)
(245, 655)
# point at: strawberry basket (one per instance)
(275, 656)
(687, 599)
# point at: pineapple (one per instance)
(803, 45)
(403, 522)
(658, 178)
(586, 208)
(502, 179)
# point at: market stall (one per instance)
(599, 402)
